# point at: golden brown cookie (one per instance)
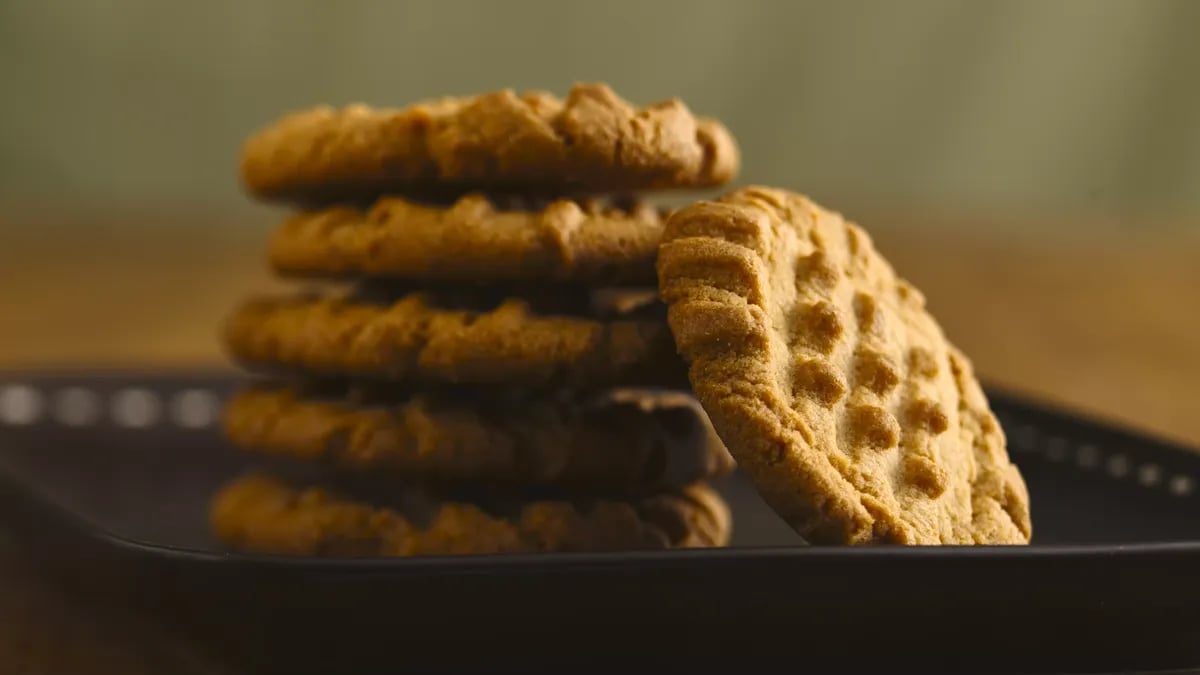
(473, 240)
(605, 445)
(258, 513)
(426, 337)
(593, 141)
(830, 383)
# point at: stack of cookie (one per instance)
(487, 367)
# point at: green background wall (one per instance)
(1024, 107)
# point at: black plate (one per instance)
(105, 478)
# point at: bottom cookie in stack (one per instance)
(438, 472)
(259, 513)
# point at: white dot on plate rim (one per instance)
(77, 406)
(194, 408)
(1056, 449)
(135, 408)
(1088, 456)
(20, 405)
(1181, 485)
(1149, 475)
(1118, 465)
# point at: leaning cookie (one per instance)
(593, 141)
(830, 383)
(473, 240)
(261, 514)
(426, 337)
(623, 446)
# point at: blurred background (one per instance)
(1033, 165)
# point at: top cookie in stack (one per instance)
(495, 247)
(534, 143)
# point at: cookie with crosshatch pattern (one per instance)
(828, 380)
(260, 513)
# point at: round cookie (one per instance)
(593, 141)
(258, 513)
(474, 241)
(431, 338)
(829, 382)
(633, 445)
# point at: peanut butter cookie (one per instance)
(593, 141)
(602, 445)
(258, 513)
(830, 383)
(473, 240)
(428, 337)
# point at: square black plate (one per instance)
(105, 478)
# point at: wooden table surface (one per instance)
(1104, 323)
